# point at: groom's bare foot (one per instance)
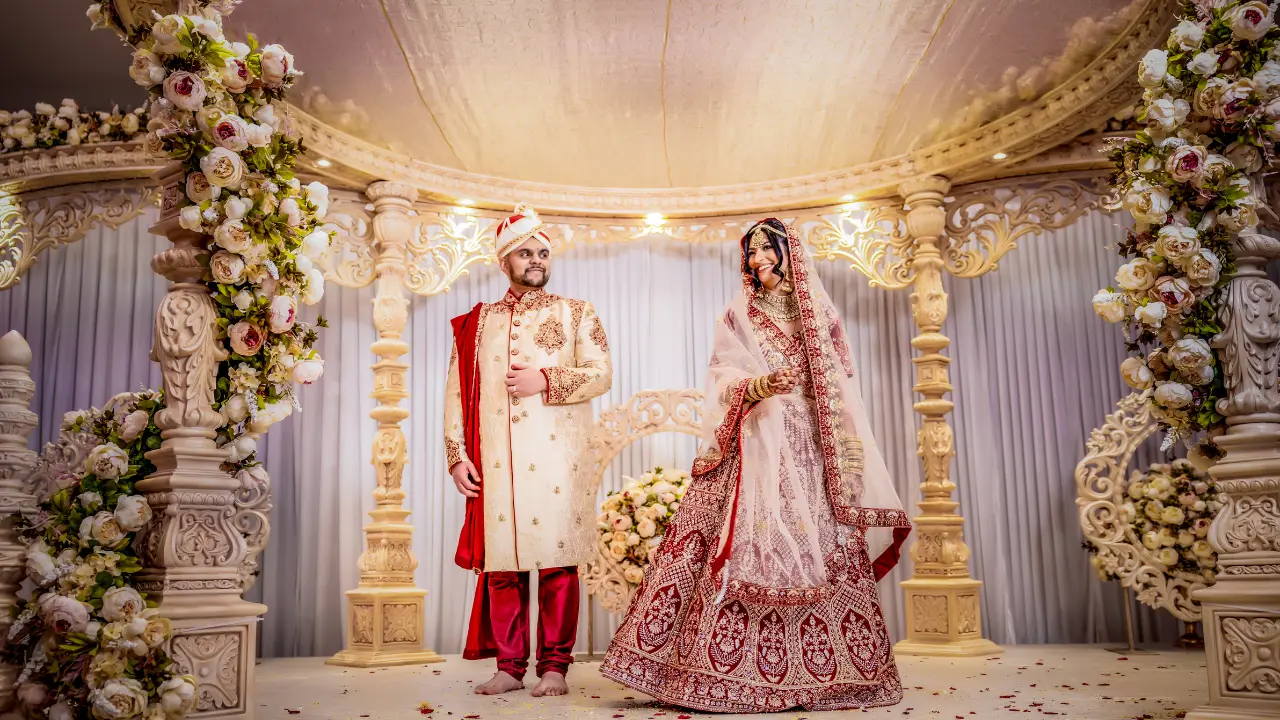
(552, 683)
(500, 683)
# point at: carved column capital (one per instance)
(926, 218)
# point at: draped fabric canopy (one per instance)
(624, 93)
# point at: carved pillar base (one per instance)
(1242, 610)
(386, 628)
(16, 423)
(194, 554)
(943, 619)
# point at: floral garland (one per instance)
(635, 519)
(1191, 179)
(66, 125)
(215, 107)
(1169, 511)
(88, 643)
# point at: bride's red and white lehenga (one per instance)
(762, 596)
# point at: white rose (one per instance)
(1152, 68)
(185, 90)
(63, 614)
(189, 218)
(1178, 242)
(118, 699)
(107, 461)
(1136, 373)
(122, 604)
(1168, 114)
(178, 696)
(1188, 34)
(241, 448)
(259, 135)
(1168, 556)
(277, 64)
(235, 409)
(317, 193)
(1204, 64)
(1109, 305)
(1137, 275)
(308, 371)
(316, 244)
(40, 567)
(146, 69)
(246, 338)
(132, 512)
(235, 75)
(315, 287)
(1250, 20)
(133, 425)
(226, 268)
(1153, 313)
(1173, 395)
(1147, 203)
(230, 132)
(223, 167)
(633, 575)
(233, 236)
(165, 33)
(291, 212)
(242, 300)
(283, 312)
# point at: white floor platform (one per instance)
(1058, 681)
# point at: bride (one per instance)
(762, 596)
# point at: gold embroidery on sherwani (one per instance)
(550, 336)
(453, 451)
(597, 334)
(562, 383)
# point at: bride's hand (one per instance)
(783, 381)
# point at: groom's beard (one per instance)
(531, 278)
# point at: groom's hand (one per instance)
(524, 381)
(465, 478)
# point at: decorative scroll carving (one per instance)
(929, 614)
(31, 224)
(1100, 493)
(442, 248)
(985, 222)
(1252, 652)
(874, 240)
(647, 413)
(215, 661)
(349, 261)
(253, 519)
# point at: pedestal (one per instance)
(16, 423)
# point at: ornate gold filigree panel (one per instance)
(33, 223)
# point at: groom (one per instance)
(517, 414)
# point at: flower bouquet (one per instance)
(66, 125)
(635, 518)
(87, 641)
(1191, 179)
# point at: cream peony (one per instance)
(1234, 101)
(241, 448)
(1136, 373)
(1109, 305)
(189, 218)
(283, 313)
(178, 695)
(618, 550)
(223, 167)
(647, 528)
(277, 65)
(61, 711)
(1204, 64)
(156, 630)
(185, 90)
(1188, 34)
(230, 132)
(259, 135)
(1177, 242)
(146, 69)
(315, 287)
(133, 425)
(63, 614)
(235, 409)
(1190, 354)
(1244, 156)
(103, 528)
(242, 300)
(1186, 163)
(199, 189)
(1147, 203)
(317, 193)
(634, 574)
(165, 34)
(235, 75)
(33, 694)
(1174, 292)
(235, 207)
(1267, 80)
(1152, 68)
(132, 512)
(1239, 219)
(1173, 395)
(1137, 275)
(253, 476)
(122, 604)
(40, 567)
(226, 268)
(1250, 20)
(1203, 269)
(107, 461)
(306, 372)
(316, 245)
(291, 211)
(246, 338)
(1202, 548)
(233, 236)
(1172, 515)
(118, 699)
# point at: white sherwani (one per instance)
(538, 504)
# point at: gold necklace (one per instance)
(780, 308)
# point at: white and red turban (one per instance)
(521, 226)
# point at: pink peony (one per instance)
(246, 338)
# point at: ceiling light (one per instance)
(466, 202)
(323, 162)
(654, 218)
(999, 156)
(847, 198)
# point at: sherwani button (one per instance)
(516, 322)
(515, 401)
(514, 351)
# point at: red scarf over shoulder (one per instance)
(470, 554)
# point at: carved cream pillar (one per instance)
(943, 615)
(192, 552)
(1242, 610)
(386, 612)
(16, 423)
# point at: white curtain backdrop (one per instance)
(1034, 371)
